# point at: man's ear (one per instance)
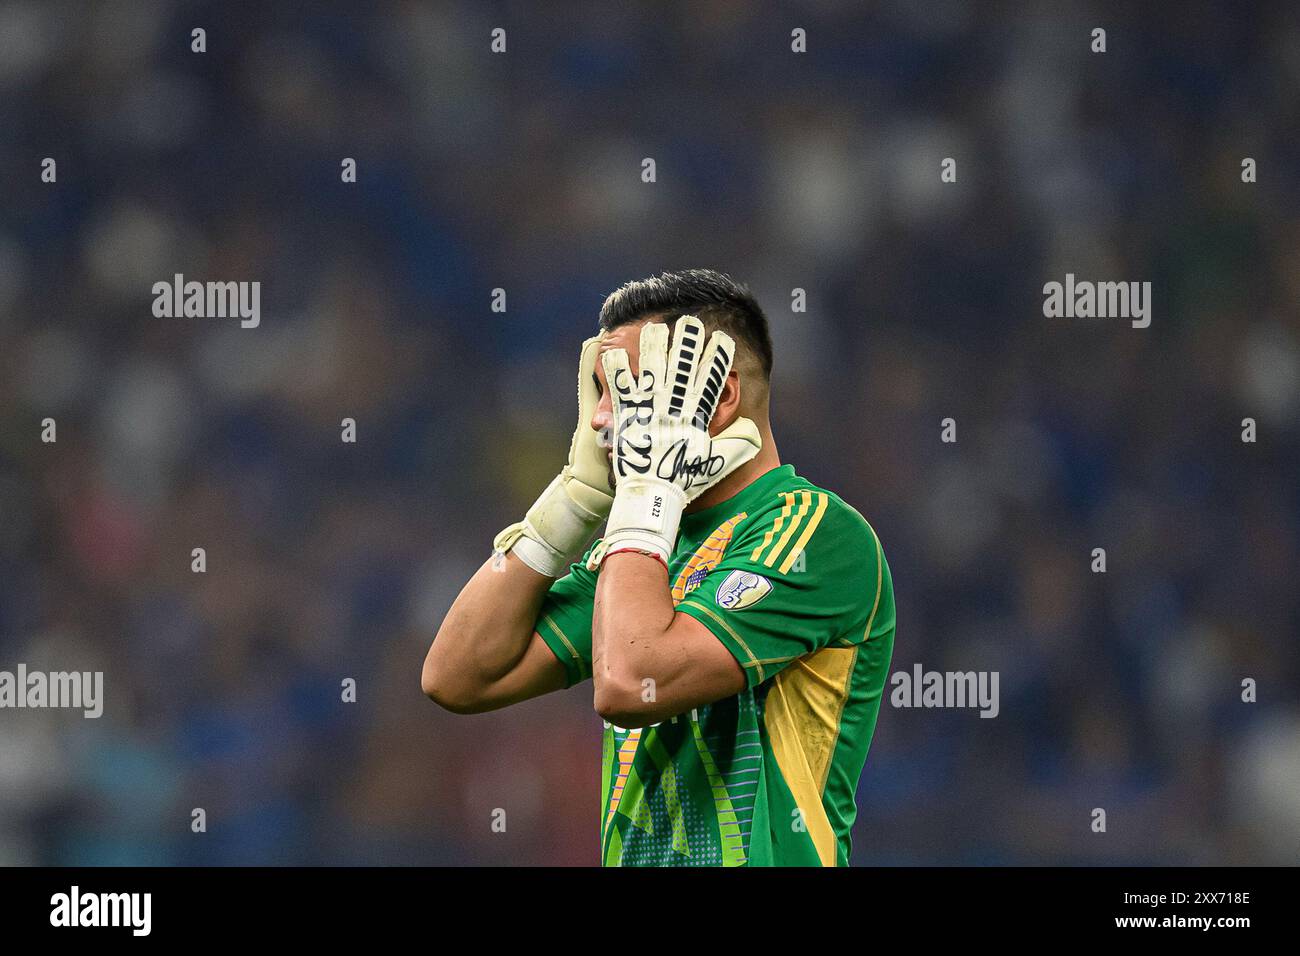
(728, 409)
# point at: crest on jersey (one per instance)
(742, 589)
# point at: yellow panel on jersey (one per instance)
(803, 714)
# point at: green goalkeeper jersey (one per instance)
(794, 584)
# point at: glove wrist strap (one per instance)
(539, 557)
(555, 529)
(646, 515)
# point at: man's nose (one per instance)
(603, 419)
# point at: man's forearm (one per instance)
(633, 608)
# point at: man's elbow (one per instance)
(445, 693)
(623, 704)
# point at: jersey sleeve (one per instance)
(805, 574)
(564, 621)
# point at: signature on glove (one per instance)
(674, 464)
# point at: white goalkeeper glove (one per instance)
(561, 522)
(664, 457)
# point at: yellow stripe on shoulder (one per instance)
(805, 502)
(776, 526)
(822, 501)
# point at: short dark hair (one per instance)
(717, 300)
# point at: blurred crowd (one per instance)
(329, 560)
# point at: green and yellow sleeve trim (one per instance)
(556, 639)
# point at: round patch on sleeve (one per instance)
(742, 589)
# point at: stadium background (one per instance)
(521, 171)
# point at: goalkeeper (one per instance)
(735, 620)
